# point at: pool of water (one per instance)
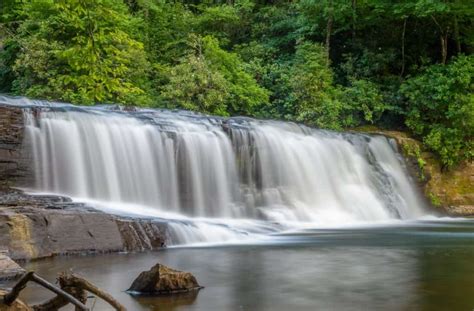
(416, 266)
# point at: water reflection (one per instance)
(167, 302)
(421, 267)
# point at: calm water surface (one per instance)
(422, 266)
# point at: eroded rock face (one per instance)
(14, 160)
(161, 279)
(33, 226)
(464, 210)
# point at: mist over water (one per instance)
(218, 179)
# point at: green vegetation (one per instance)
(413, 150)
(441, 108)
(330, 64)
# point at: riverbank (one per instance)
(425, 265)
(38, 226)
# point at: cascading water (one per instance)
(216, 178)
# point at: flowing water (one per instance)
(216, 179)
(412, 266)
(268, 215)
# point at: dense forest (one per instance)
(332, 64)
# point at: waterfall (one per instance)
(212, 171)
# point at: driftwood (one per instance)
(9, 298)
(59, 301)
(73, 290)
(74, 281)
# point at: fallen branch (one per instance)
(9, 298)
(74, 281)
(58, 302)
(73, 290)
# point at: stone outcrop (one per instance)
(161, 279)
(465, 210)
(14, 159)
(8, 268)
(42, 226)
(141, 235)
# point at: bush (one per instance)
(313, 90)
(212, 80)
(440, 108)
(364, 103)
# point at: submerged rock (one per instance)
(161, 279)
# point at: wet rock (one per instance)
(34, 226)
(461, 210)
(15, 162)
(161, 279)
(142, 235)
(9, 269)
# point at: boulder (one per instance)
(161, 279)
(9, 269)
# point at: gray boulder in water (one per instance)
(161, 279)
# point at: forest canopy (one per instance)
(326, 63)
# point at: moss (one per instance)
(434, 199)
(413, 150)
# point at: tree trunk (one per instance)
(402, 71)
(329, 30)
(354, 18)
(444, 47)
(443, 36)
(456, 35)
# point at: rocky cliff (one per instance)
(15, 161)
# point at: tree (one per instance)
(440, 108)
(312, 88)
(363, 103)
(212, 80)
(80, 51)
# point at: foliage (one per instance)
(413, 150)
(212, 80)
(312, 89)
(328, 63)
(364, 103)
(80, 51)
(440, 108)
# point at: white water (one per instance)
(218, 179)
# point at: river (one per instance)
(420, 265)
